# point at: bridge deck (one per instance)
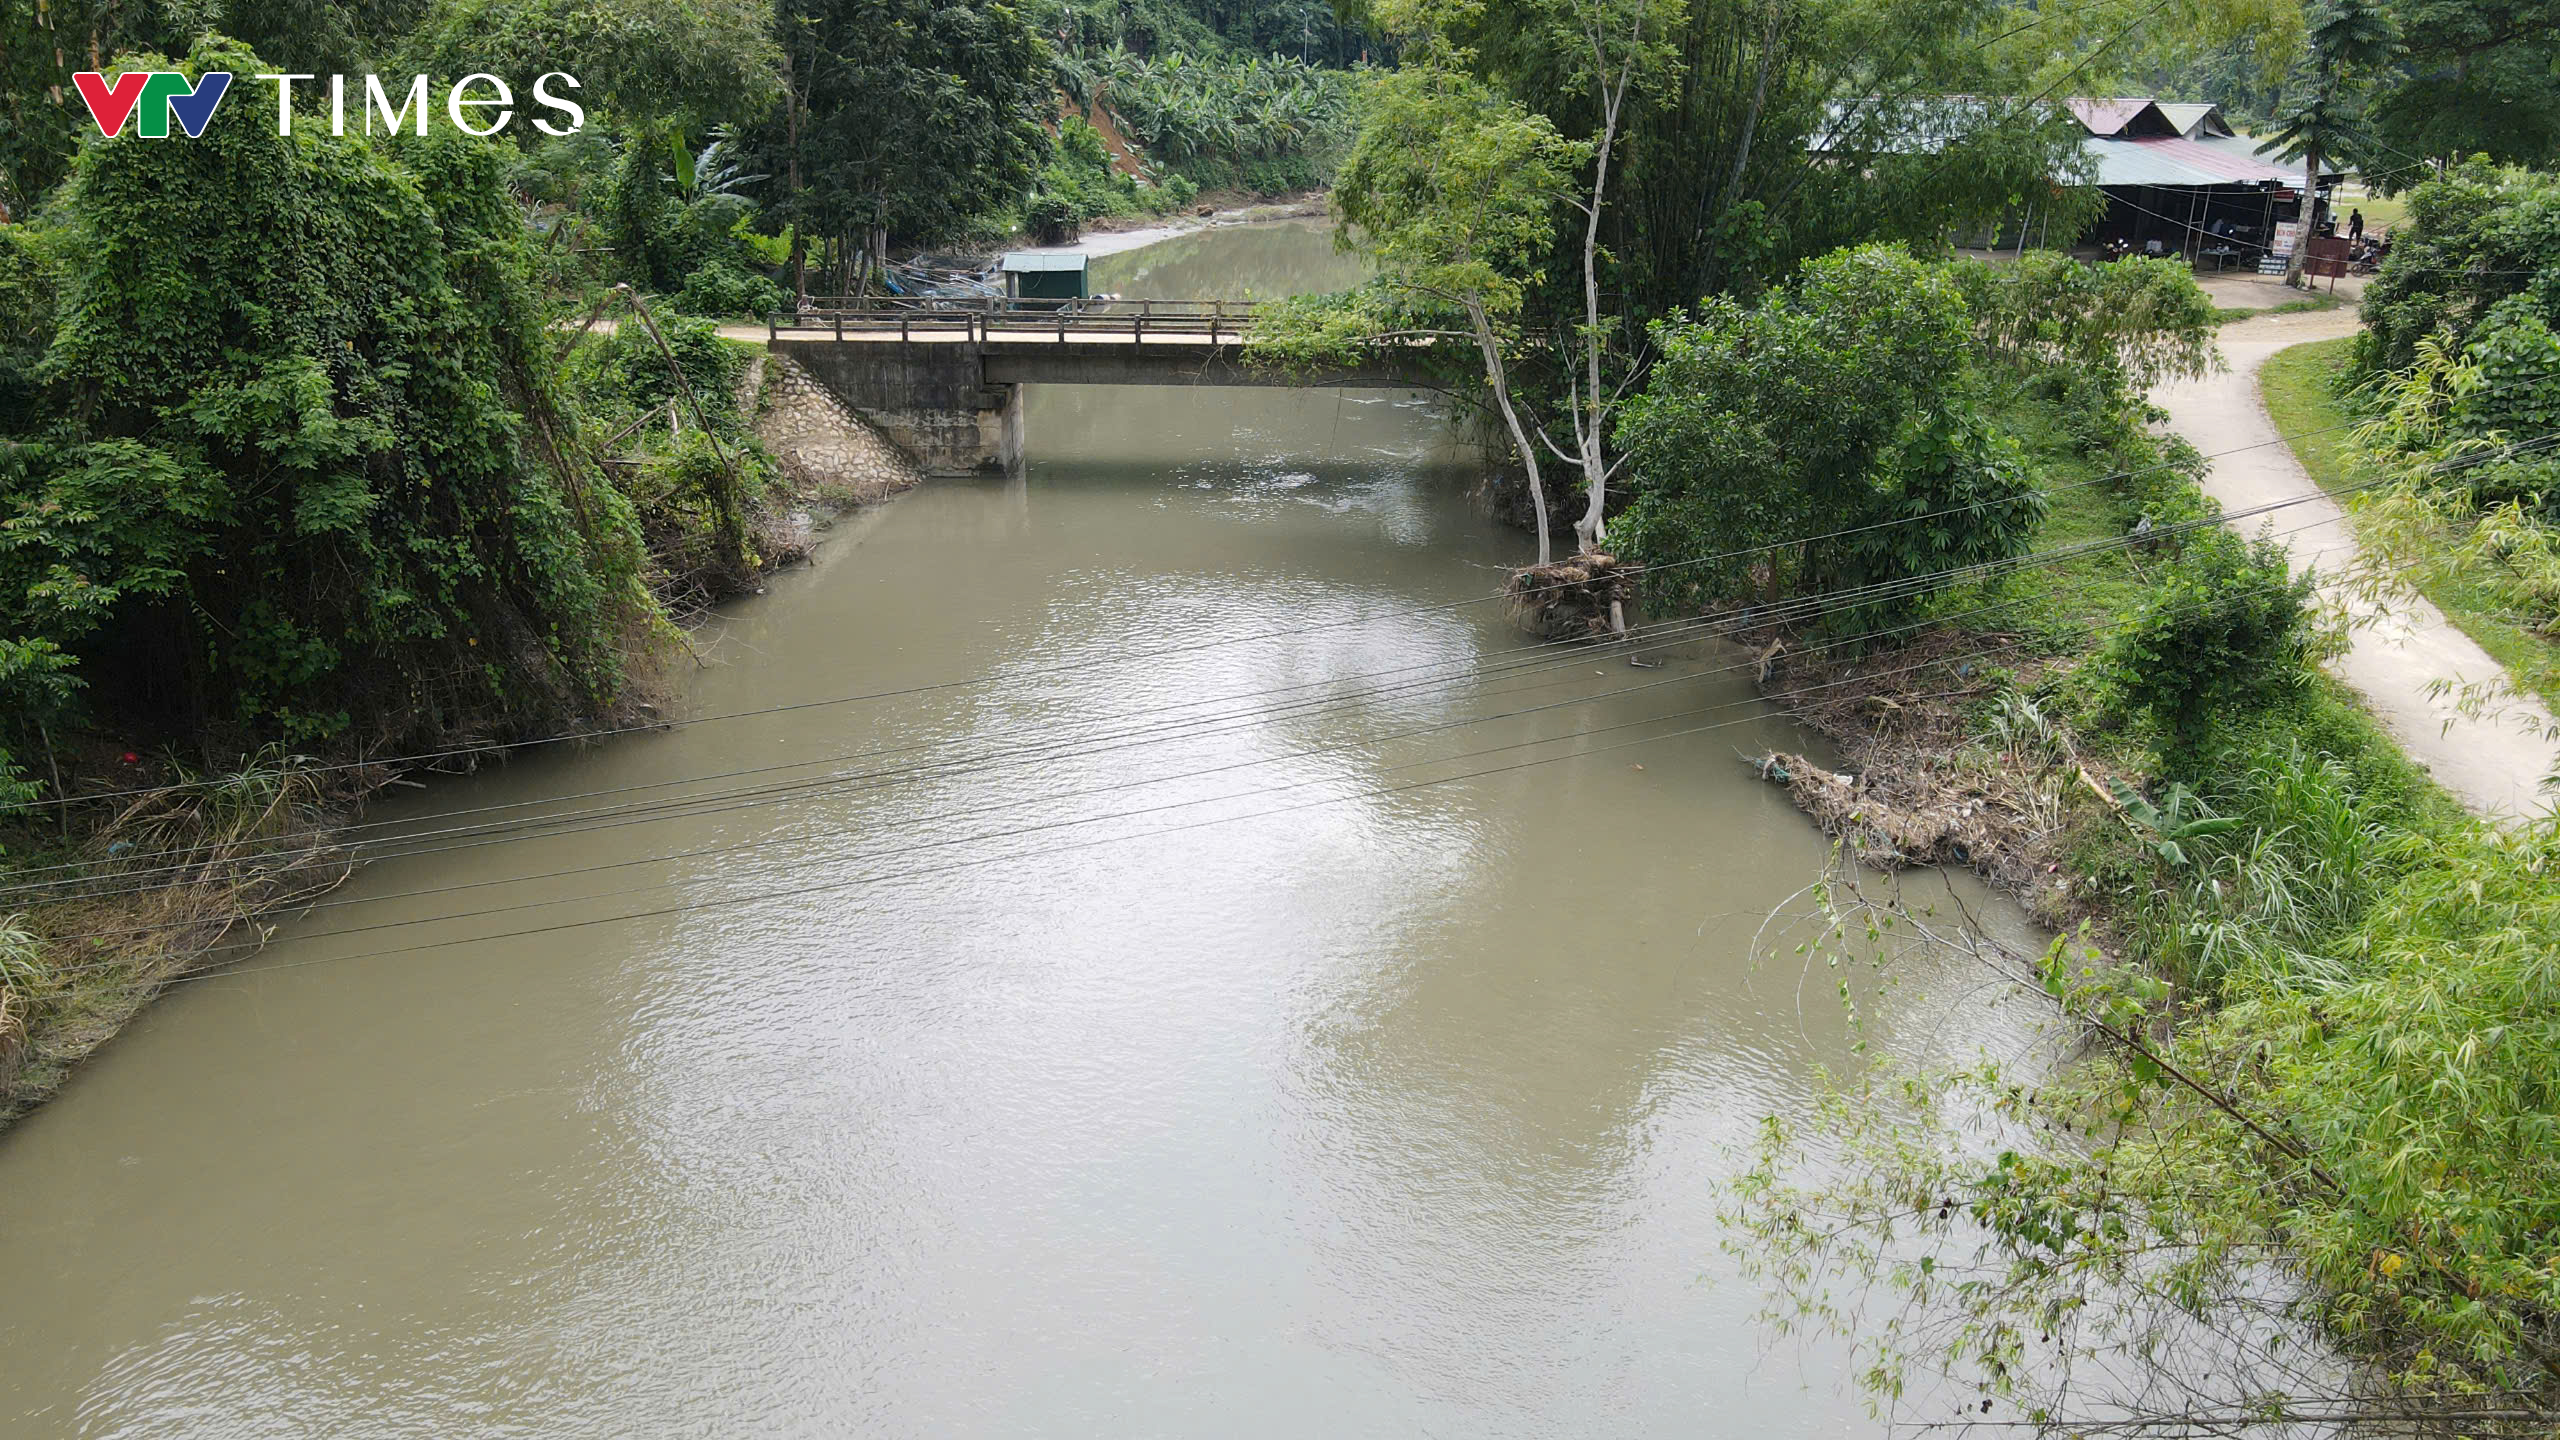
(1094, 342)
(1127, 322)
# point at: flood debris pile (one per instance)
(1583, 598)
(1887, 821)
(1941, 765)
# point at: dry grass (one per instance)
(167, 885)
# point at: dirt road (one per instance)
(2496, 762)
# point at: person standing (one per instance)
(2355, 225)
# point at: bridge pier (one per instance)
(934, 400)
(946, 383)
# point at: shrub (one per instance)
(2518, 357)
(2476, 237)
(624, 374)
(2228, 627)
(1741, 440)
(1961, 495)
(722, 289)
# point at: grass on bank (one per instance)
(2299, 386)
(2068, 609)
(2356, 961)
(2307, 305)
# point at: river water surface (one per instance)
(1183, 1011)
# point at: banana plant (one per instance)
(2168, 828)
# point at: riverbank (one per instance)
(172, 880)
(87, 967)
(2279, 898)
(1101, 239)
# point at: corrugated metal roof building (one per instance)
(2178, 180)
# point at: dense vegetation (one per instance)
(1706, 153)
(2455, 384)
(1746, 454)
(1269, 126)
(315, 444)
(2318, 997)
(331, 446)
(284, 450)
(295, 464)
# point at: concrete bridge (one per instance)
(945, 381)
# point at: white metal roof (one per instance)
(2205, 160)
(1026, 262)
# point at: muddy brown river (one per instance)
(1221, 986)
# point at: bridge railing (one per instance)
(970, 321)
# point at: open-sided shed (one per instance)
(2179, 181)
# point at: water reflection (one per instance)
(1308, 1101)
(1233, 262)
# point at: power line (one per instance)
(614, 816)
(1035, 853)
(1789, 610)
(1782, 612)
(696, 805)
(1369, 742)
(663, 725)
(1053, 797)
(1093, 819)
(508, 747)
(801, 891)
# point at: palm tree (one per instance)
(2326, 118)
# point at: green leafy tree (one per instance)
(42, 42)
(2475, 77)
(30, 277)
(1720, 153)
(900, 119)
(1269, 123)
(1455, 190)
(2133, 323)
(664, 70)
(1742, 443)
(1772, 131)
(315, 479)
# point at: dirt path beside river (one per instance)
(2397, 661)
